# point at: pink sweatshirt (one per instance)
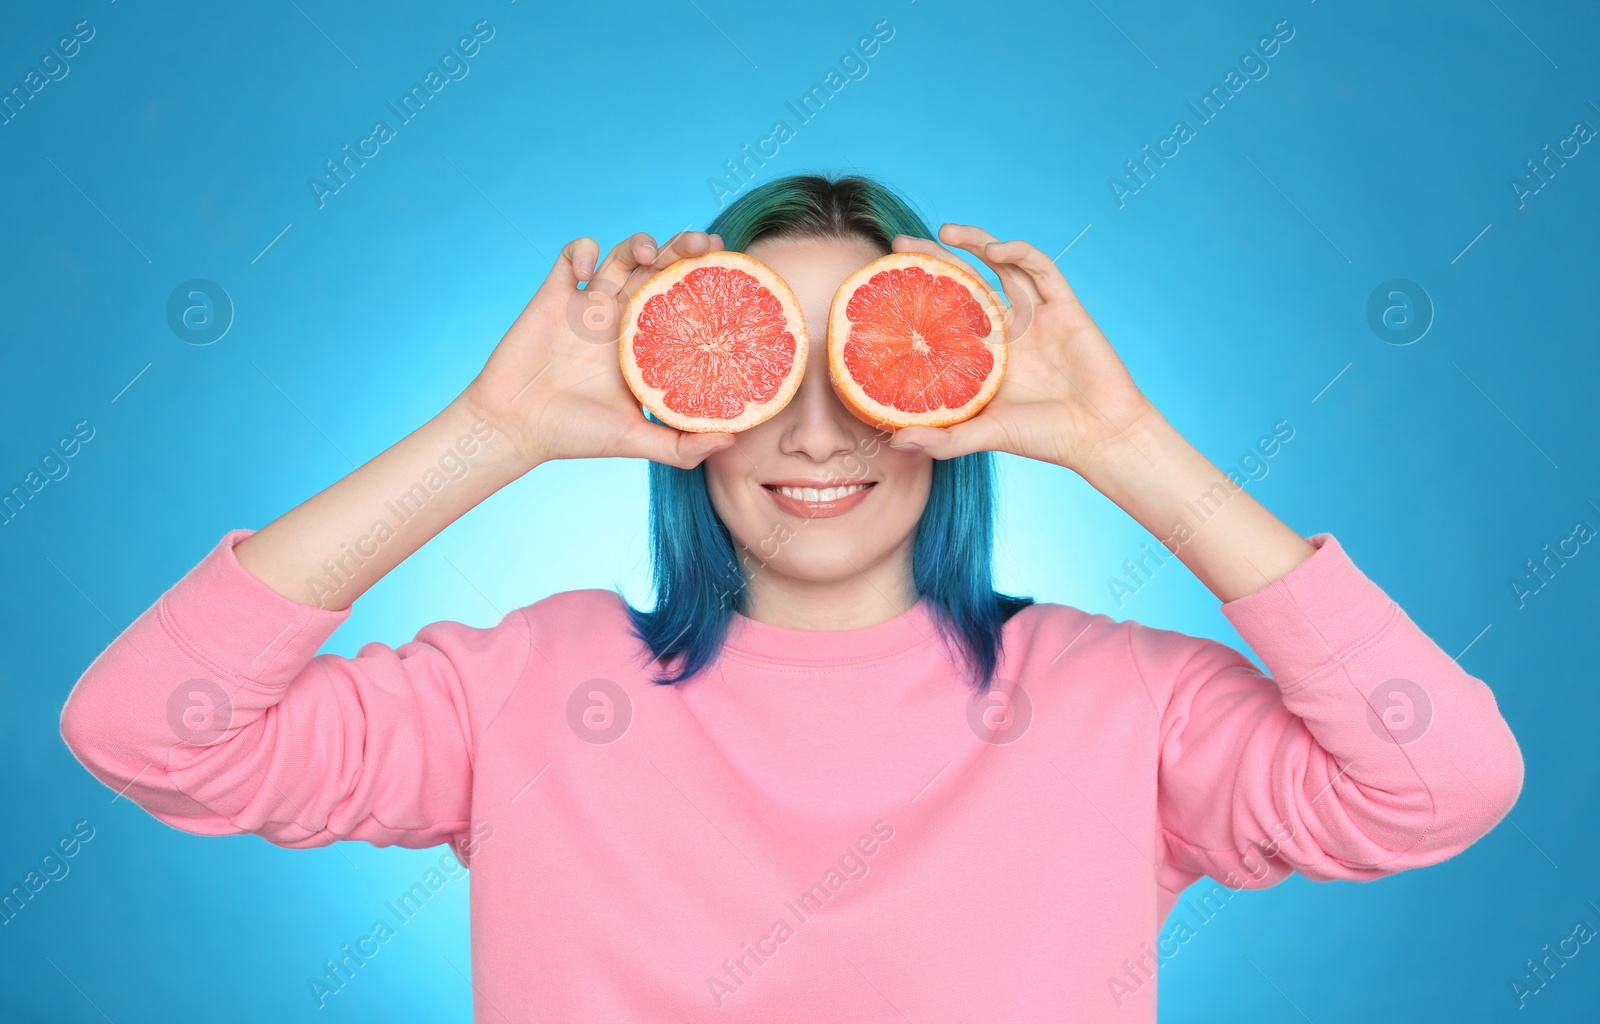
(826, 826)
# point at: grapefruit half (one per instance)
(714, 343)
(915, 341)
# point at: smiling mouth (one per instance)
(796, 499)
(817, 494)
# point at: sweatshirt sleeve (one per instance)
(214, 713)
(1367, 751)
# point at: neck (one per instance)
(865, 596)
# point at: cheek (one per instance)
(910, 475)
(716, 471)
(902, 495)
(728, 486)
(720, 483)
(915, 483)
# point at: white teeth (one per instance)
(824, 494)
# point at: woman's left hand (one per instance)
(1066, 398)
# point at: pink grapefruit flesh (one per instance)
(714, 343)
(915, 340)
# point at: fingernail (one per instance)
(908, 447)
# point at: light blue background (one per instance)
(1235, 284)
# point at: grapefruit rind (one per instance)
(654, 398)
(877, 414)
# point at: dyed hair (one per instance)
(696, 568)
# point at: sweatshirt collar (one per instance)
(911, 628)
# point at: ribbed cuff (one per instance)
(239, 625)
(1313, 616)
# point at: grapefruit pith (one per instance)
(714, 343)
(915, 341)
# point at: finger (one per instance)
(1042, 270)
(1017, 283)
(964, 235)
(978, 434)
(681, 448)
(575, 263)
(928, 247)
(629, 253)
(682, 245)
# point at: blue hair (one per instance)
(697, 575)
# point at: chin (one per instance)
(828, 566)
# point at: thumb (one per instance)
(947, 442)
(575, 264)
(682, 448)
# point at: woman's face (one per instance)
(855, 550)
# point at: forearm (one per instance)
(330, 549)
(1226, 538)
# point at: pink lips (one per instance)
(815, 509)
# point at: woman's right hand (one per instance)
(554, 384)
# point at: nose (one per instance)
(816, 425)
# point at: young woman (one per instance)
(832, 775)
